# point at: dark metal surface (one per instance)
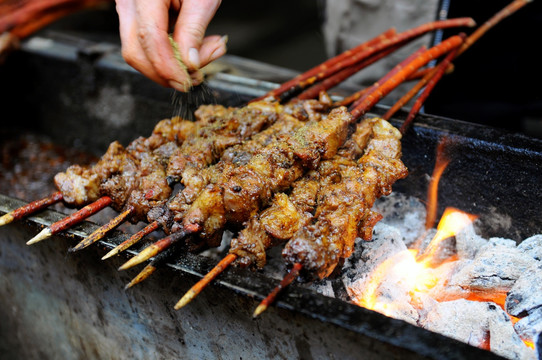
(60, 305)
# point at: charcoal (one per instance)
(498, 241)
(424, 240)
(475, 323)
(530, 326)
(526, 293)
(357, 269)
(532, 246)
(468, 243)
(444, 290)
(494, 269)
(504, 340)
(459, 319)
(393, 292)
(402, 212)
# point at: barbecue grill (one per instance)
(55, 305)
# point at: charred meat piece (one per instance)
(287, 214)
(344, 207)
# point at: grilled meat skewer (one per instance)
(285, 215)
(344, 208)
(240, 191)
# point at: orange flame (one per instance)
(406, 267)
(453, 220)
(441, 163)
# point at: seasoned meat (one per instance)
(344, 206)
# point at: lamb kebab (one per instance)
(286, 214)
(135, 177)
(350, 191)
(344, 209)
(291, 118)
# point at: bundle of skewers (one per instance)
(291, 169)
(21, 18)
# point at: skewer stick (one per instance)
(155, 248)
(438, 73)
(72, 219)
(362, 94)
(103, 230)
(494, 20)
(133, 239)
(326, 64)
(422, 72)
(359, 108)
(145, 273)
(30, 208)
(342, 75)
(270, 299)
(469, 41)
(200, 285)
(148, 270)
(399, 39)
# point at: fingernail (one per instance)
(180, 87)
(224, 39)
(193, 57)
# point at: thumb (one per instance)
(190, 28)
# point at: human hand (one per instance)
(144, 33)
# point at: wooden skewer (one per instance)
(270, 299)
(72, 219)
(494, 20)
(342, 75)
(145, 273)
(428, 74)
(148, 270)
(401, 38)
(200, 285)
(30, 208)
(438, 74)
(156, 248)
(361, 107)
(326, 64)
(362, 94)
(103, 230)
(133, 239)
(422, 72)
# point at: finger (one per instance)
(190, 28)
(212, 48)
(152, 20)
(131, 48)
(196, 77)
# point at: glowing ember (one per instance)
(422, 288)
(413, 272)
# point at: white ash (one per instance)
(468, 242)
(484, 267)
(368, 256)
(504, 340)
(530, 327)
(479, 324)
(494, 269)
(403, 212)
(532, 246)
(526, 295)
